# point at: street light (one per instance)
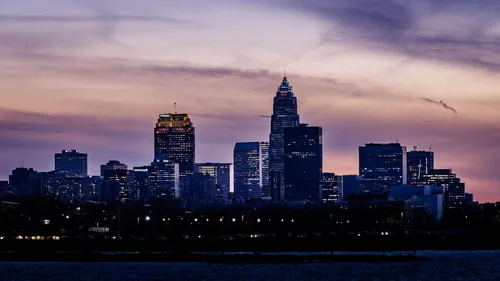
(147, 218)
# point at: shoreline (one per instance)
(275, 257)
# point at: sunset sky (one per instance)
(94, 75)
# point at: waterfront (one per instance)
(444, 265)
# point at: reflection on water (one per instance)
(444, 265)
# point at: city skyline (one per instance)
(69, 92)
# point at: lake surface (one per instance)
(444, 265)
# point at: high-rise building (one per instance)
(454, 188)
(285, 114)
(331, 186)
(250, 169)
(71, 163)
(303, 163)
(221, 172)
(112, 165)
(175, 141)
(22, 181)
(418, 164)
(138, 182)
(382, 165)
(114, 185)
(4, 188)
(164, 179)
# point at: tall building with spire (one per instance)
(175, 141)
(285, 115)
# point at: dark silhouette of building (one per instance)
(4, 188)
(175, 140)
(221, 172)
(114, 186)
(419, 163)
(285, 114)
(23, 182)
(72, 163)
(454, 188)
(469, 199)
(201, 186)
(250, 173)
(382, 165)
(331, 186)
(164, 177)
(303, 163)
(112, 165)
(350, 184)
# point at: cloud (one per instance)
(461, 31)
(440, 103)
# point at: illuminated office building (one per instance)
(250, 169)
(71, 163)
(175, 141)
(382, 165)
(331, 186)
(221, 175)
(285, 114)
(419, 163)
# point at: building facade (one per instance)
(303, 163)
(250, 164)
(453, 186)
(221, 173)
(114, 184)
(285, 114)
(71, 163)
(382, 165)
(419, 163)
(164, 177)
(331, 186)
(175, 141)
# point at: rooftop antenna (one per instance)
(284, 72)
(414, 148)
(175, 107)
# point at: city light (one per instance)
(147, 218)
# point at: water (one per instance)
(444, 265)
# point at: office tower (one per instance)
(221, 172)
(418, 164)
(138, 183)
(468, 199)
(201, 186)
(382, 165)
(71, 163)
(22, 181)
(454, 188)
(250, 169)
(71, 189)
(331, 186)
(285, 115)
(350, 185)
(93, 188)
(164, 179)
(114, 186)
(175, 141)
(112, 165)
(303, 163)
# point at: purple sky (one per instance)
(93, 76)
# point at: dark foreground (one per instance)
(443, 265)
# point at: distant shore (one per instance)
(208, 257)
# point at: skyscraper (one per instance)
(382, 165)
(23, 181)
(71, 163)
(164, 179)
(250, 169)
(175, 140)
(418, 164)
(331, 186)
(303, 163)
(138, 182)
(221, 174)
(285, 115)
(114, 185)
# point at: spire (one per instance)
(175, 107)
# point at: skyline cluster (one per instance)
(421, 73)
